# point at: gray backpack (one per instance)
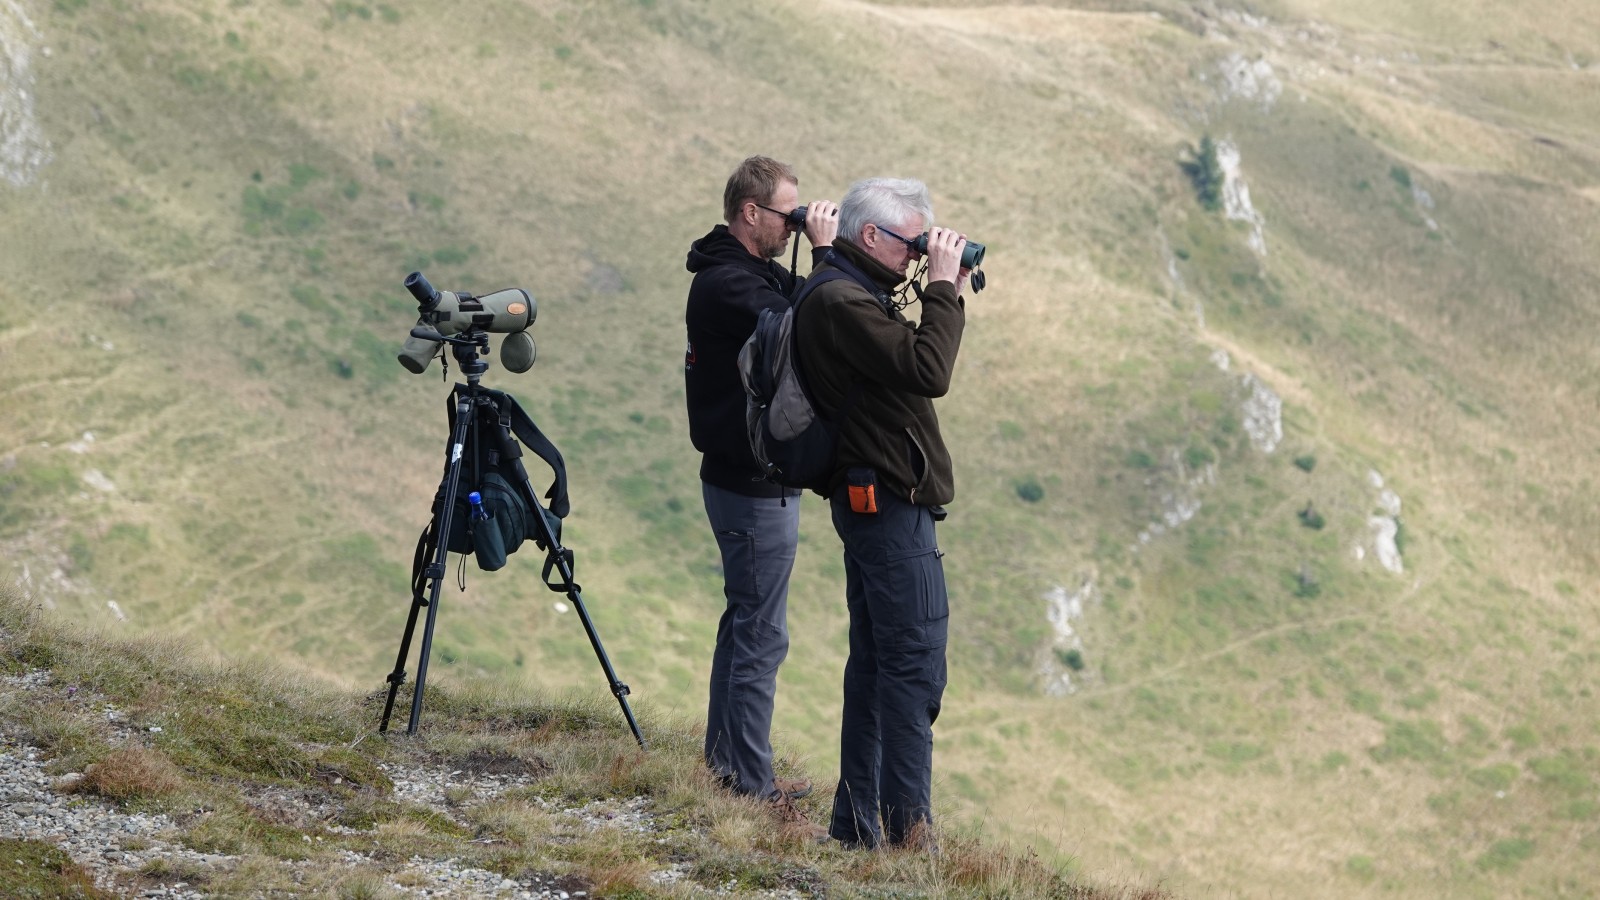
(790, 438)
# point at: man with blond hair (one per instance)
(756, 522)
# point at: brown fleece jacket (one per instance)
(847, 335)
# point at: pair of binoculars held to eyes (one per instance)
(971, 258)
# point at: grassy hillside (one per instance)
(242, 780)
(1178, 647)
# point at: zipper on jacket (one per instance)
(927, 465)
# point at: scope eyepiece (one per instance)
(417, 283)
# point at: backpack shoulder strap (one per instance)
(818, 280)
(831, 273)
(534, 439)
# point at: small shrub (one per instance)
(1205, 173)
(1072, 659)
(1364, 702)
(1421, 741)
(301, 220)
(1030, 490)
(1581, 810)
(337, 765)
(343, 9)
(1310, 518)
(1565, 772)
(1522, 737)
(1421, 699)
(1307, 588)
(1495, 778)
(237, 832)
(1505, 856)
(130, 773)
(301, 175)
(423, 200)
(1305, 463)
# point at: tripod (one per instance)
(480, 417)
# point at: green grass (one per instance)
(34, 868)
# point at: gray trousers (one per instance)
(895, 677)
(757, 537)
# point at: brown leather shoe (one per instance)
(794, 820)
(793, 788)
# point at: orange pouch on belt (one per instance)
(863, 485)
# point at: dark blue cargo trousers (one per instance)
(895, 677)
(757, 537)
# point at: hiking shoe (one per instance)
(920, 839)
(793, 788)
(794, 820)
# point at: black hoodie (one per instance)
(730, 289)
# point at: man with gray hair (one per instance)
(875, 374)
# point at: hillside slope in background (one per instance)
(1273, 560)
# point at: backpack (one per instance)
(792, 441)
(495, 528)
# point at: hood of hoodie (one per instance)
(720, 248)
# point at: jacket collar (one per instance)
(720, 248)
(881, 276)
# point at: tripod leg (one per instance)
(466, 417)
(560, 559)
(425, 547)
(398, 676)
(434, 573)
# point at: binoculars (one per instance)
(971, 257)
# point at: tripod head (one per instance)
(469, 347)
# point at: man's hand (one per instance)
(944, 256)
(822, 222)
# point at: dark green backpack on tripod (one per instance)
(495, 527)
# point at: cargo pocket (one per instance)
(921, 570)
(738, 550)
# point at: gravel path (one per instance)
(115, 846)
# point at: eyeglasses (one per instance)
(911, 245)
(793, 221)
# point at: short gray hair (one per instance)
(883, 201)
